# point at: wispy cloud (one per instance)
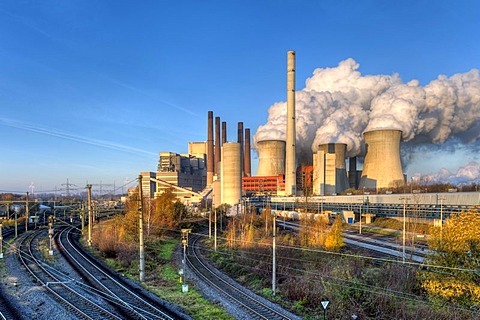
(72, 137)
(140, 91)
(27, 22)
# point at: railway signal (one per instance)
(185, 233)
(50, 233)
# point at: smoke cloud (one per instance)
(464, 175)
(338, 104)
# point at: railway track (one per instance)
(129, 300)
(380, 247)
(7, 310)
(59, 285)
(256, 307)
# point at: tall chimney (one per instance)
(290, 165)
(210, 160)
(247, 167)
(224, 132)
(352, 172)
(217, 156)
(240, 140)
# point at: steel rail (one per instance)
(72, 299)
(244, 300)
(106, 285)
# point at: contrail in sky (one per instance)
(130, 87)
(67, 136)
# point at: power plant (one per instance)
(227, 170)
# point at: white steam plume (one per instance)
(339, 104)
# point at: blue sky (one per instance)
(93, 90)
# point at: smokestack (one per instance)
(330, 172)
(217, 157)
(210, 159)
(240, 140)
(352, 172)
(271, 158)
(382, 167)
(224, 132)
(290, 166)
(247, 167)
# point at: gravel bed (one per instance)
(215, 297)
(30, 299)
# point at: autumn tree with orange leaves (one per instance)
(455, 274)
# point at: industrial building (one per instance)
(330, 173)
(185, 174)
(221, 170)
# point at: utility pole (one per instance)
(404, 226)
(361, 206)
(16, 224)
(210, 220)
(441, 216)
(215, 230)
(1, 239)
(274, 258)
(140, 230)
(26, 213)
(89, 207)
(82, 216)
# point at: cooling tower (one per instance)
(330, 173)
(217, 155)
(247, 166)
(290, 165)
(382, 167)
(271, 158)
(231, 173)
(210, 160)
